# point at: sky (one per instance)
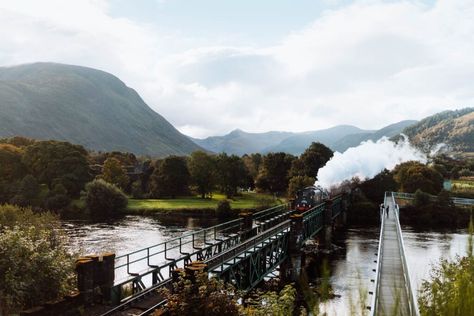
(211, 66)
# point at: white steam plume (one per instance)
(367, 160)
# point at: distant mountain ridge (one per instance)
(83, 106)
(338, 138)
(453, 128)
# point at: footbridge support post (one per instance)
(290, 269)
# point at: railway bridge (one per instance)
(242, 252)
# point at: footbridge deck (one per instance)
(393, 293)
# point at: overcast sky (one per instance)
(211, 66)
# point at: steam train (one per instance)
(309, 197)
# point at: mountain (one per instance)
(337, 138)
(355, 139)
(453, 128)
(297, 143)
(83, 106)
(239, 142)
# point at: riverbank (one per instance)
(195, 205)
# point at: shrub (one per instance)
(34, 264)
(103, 198)
(421, 198)
(223, 208)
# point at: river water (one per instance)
(350, 267)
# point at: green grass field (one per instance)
(245, 201)
(463, 185)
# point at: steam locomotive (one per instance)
(309, 197)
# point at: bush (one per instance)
(103, 198)
(34, 264)
(223, 208)
(450, 291)
(421, 198)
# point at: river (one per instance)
(350, 267)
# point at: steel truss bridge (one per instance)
(242, 251)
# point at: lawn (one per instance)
(247, 200)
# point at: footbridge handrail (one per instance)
(412, 299)
(455, 200)
(378, 269)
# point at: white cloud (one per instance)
(369, 63)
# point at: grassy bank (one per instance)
(191, 204)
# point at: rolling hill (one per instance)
(453, 128)
(83, 106)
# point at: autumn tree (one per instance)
(202, 169)
(413, 175)
(114, 173)
(170, 178)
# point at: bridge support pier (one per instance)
(290, 269)
(246, 229)
(327, 230)
(95, 277)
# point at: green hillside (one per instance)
(454, 128)
(83, 106)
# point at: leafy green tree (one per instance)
(103, 198)
(311, 160)
(57, 198)
(202, 169)
(421, 198)
(274, 174)
(171, 178)
(50, 161)
(231, 174)
(35, 266)
(273, 303)
(114, 173)
(298, 182)
(28, 192)
(252, 162)
(375, 188)
(413, 175)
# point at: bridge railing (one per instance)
(378, 269)
(313, 220)
(406, 275)
(456, 200)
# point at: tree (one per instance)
(252, 164)
(231, 174)
(103, 198)
(35, 266)
(314, 158)
(171, 178)
(375, 188)
(11, 167)
(413, 175)
(27, 192)
(53, 161)
(274, 174)
(114, 173)
(298, 182)
(202, 169)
